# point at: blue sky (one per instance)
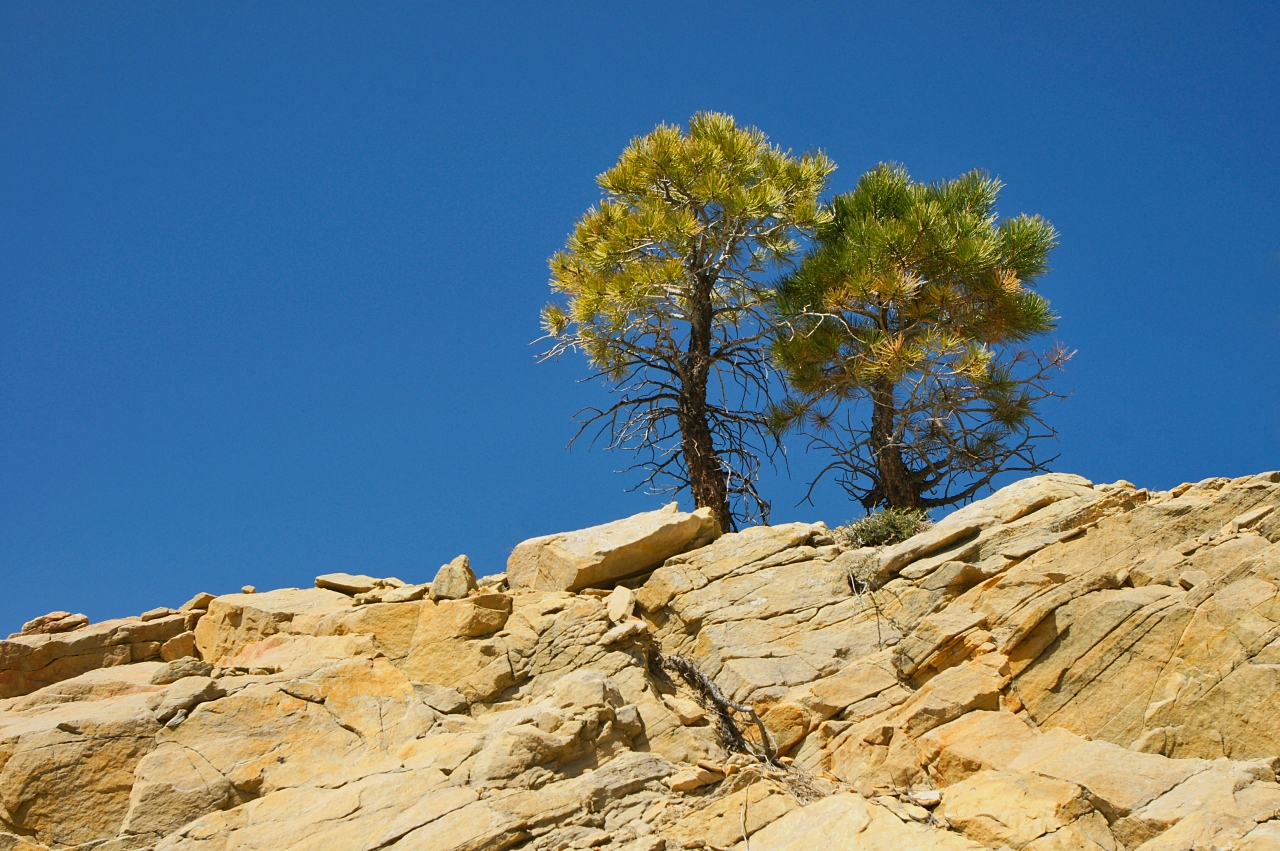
(271, 271)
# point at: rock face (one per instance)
(1059, 666)
(36, 659)
(604, 554)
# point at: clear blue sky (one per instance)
(270, 272)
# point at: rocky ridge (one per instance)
(1059, 666)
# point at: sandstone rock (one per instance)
(1060, 666)
(183, 695)
(951, 694)
(787, 724)
(159, 612)
(939, 537)
(728, 554)
(686, 710)
(738, 549)
(1202, 830)
(248, 589)
(180, 646)
(405, 594)
(831, 695)
(620, 604)
(453, 645)
(978, 741)
(454, 580)
(693, 777)
(29, 662)
(440, 698)
(494, 581)
(176, 670)
(724, 821)
(53, 622)
(234, 621)
(66, 771)
(295, 653)
(174, 785)
(200, 601)
(1118, 781)
(573, 560)
(847, 822)
(390, 625)
(347, 583)
(935, 634)
(627, 630)
(996, 808)
(1264, 837)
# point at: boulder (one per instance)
(570, 561)
(621, 604)
(179, 668)
(54, 622)
(453, 581)
(180, 646)
(199, 602)
(346, 583)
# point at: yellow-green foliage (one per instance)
(665, 286)
(685, 217)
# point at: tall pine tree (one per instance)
(666, 285)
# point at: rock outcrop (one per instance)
(1059, 666)
(570, 561)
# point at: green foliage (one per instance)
(882, 528)
(916, 302)
(664, 287)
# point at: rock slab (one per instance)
(602, 555)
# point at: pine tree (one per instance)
(909, 318)
(667, 283)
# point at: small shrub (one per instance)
(883, 527)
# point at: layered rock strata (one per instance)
(1059, 666)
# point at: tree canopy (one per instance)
(666, 285)
(914, 310)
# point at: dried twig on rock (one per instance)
(710, 698)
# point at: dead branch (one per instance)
(713, 700)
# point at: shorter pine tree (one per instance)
(904, 340)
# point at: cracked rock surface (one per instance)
(1062, 665)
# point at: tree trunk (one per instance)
(895, 479)
(707, 478)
